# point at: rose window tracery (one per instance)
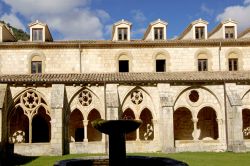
(30, 99)
(85, 98)
(136, 97)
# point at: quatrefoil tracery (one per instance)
(85, 98)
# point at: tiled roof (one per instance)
(170, 77)
(132, 43)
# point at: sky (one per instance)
(93, 19)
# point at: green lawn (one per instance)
(193, 159)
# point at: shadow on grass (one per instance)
(17, 159)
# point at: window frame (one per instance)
(157, 66)
(202, 64)
(229, 32)
(158, 33)
(122, 34)
(37, 34)
(199, 32)
(232, 66)
(37, 64)
(120, 68)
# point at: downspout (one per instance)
(225, 105)
(219, 51)
(80, 58)
(105, 114)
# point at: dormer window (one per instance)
(37, 34)
(122, 33)
(199, 32)
(158, 33)
(229, 32)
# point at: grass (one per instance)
(193, 159)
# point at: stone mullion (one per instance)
(85, 124)
(30, 129)
(196, 132)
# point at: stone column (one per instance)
(57, 119)
(30, 129)
(112, 102)
(137, 133)
(85, 124)
(220, 129)
(234, 119)
(196, 132)
(168, 129)
(3, 125)
(166, 122)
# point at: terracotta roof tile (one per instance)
(218, 76)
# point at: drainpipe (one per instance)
(225, 105)
(80, 58)
(219, 51)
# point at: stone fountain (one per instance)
(116, 130)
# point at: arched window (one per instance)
(76, 128)
(123, 63)
(41, 128)
(36, 64)
(146, 130)
(129, 114)
(19, 127)
(160, 63)
(183, 125)
(93, 134)
(233, 62)
(202, 62)
(207, 123)
(246, 123)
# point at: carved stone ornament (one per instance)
(30, 99)
(136, 97)
(85, 98)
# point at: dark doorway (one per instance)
(79, 134)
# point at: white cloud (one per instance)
(239, 13)
(206, 9)
(12, 20)
(138, 16)
(74, 19)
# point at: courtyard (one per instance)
(192, 158)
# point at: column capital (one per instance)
(85, 122)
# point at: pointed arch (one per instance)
(129, 114)
(18, 127)
(246, 123)
(41, 127)
(146, 130)
(76, 128)
(93, 134)
(183, 125)
(207, 123)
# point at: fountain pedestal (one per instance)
(116, 129)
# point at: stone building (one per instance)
(192, 93)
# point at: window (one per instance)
(229, 32)
(202, 64)
(160, 65)
(37, 34)
(158, 33)
(199, 33)
(233, 64)
(123, 66)
(122, 33)
(36, 67)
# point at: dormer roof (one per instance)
(158, 23)
(245, 33)
(121, 24)
(220, 25)
(46, 31)
(6, 33)
(191, 25)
